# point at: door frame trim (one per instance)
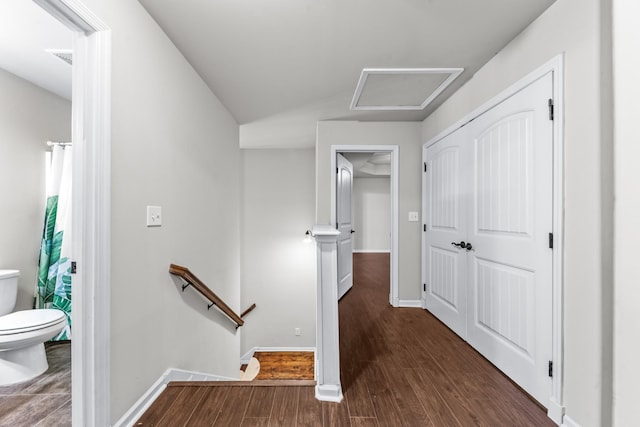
(395, 170)
(555, 66)
(91, 209)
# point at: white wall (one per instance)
(372, 214)
(627, 212)
(29, 116)
(572, 27)
(278, 267)
(406, 135)
(173, 145)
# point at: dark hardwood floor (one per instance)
(400, 367)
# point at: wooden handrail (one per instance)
(192, 280)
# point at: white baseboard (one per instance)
(329, 393)
(555, 411)
(171, 374)
(568, 422)
(414, 303)
(249, 354)
(371, 251)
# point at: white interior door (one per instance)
(344, 190)
(446, 260)
(489, 184)
(510, 281)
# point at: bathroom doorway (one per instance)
(36, 82)
(90, 133)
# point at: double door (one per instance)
(488, 218)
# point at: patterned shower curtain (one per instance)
(54, 267)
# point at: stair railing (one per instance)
(190, 279)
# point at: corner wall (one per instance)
(626, 347)
(572, 27)
(278, 267)
(29, 116)
(174, 145)
(406, 135)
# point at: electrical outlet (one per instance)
(298, 332)
(154, 216)
(413, 216)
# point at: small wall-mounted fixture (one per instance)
(307, 236)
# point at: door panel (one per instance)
(504, 308)
(511, 215)
(344, 191)
(446, 295)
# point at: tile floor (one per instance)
(44, 401)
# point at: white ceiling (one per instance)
(280, 66)
(26, 30)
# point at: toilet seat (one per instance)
(29, 320)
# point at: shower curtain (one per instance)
(54, 267)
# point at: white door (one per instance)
(344, 183)
(445, 219)
(510, 277)
(503, 212)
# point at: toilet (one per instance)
(23, 333)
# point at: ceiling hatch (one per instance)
(385, 89)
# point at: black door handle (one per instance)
(463, 245)
(353, 231)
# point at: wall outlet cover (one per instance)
(413, 216)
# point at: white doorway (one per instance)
(91, 91)
(492, 237)
(392, 151)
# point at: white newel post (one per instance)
(328, 386)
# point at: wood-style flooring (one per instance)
(399, 366)
(44, 401)
(290, 365)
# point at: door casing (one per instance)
(91, 246)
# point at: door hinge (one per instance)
(550, 240)
(424, 227)
(73, 267)
(424, 287)
(425, 166)
(550, 368)
(550, 109)
(337, 170)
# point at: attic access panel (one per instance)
(386, 89)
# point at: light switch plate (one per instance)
(154, 216)
(413, 216)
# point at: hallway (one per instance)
(402, 367)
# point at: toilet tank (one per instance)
(8, 290)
